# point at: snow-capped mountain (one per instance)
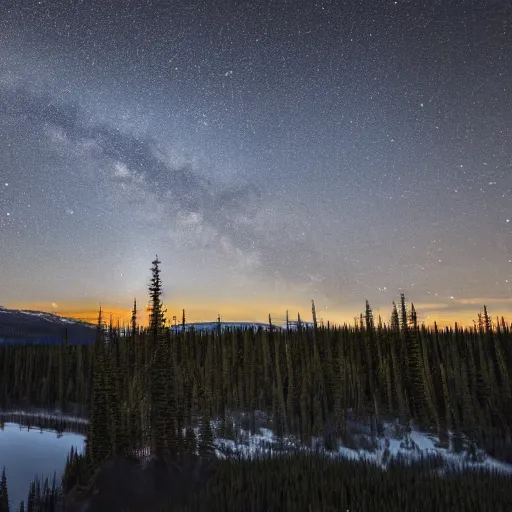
(39, 327)
(213, 326)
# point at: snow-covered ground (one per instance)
(395, 444)
(46, 415)
(408, 447)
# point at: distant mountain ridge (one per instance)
(19, 326)
(39, 327)
(213, 326)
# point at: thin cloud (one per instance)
(484, 300)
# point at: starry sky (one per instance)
(270, 153)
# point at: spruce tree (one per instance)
(205, 436)
(31, 497)
(98, 439)
(4, 494)
(313, 314)
(134, 318)
(62, 370)
(161, 385)
(415, 359)
(190, 440)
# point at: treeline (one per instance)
(44, 421)
(455, 379)
(146, 388)
(43, 496)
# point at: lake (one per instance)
(29, 452)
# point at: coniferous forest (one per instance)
(159, 392)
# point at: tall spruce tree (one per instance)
(415, 356)
(98, 440)
(161, 385)
(313, 314)
(62, 369)
(134, 318)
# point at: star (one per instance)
(260, 157)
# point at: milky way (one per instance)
(269, 152)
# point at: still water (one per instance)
(27, 453)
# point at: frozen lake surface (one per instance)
(30, 452)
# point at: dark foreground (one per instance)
(291, 482)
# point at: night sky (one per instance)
(270, 153)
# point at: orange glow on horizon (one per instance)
(258, 312)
